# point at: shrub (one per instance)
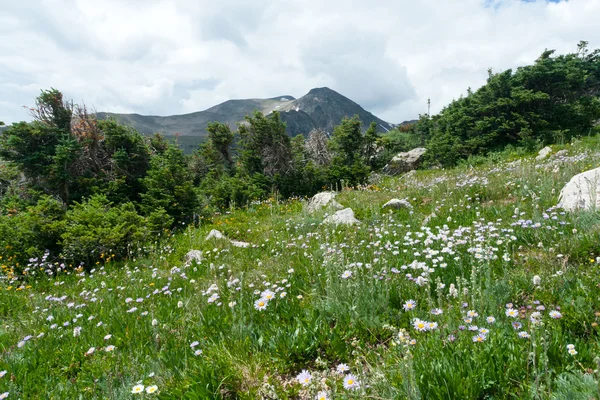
(235, 190)
(95, 230)
(29, 232)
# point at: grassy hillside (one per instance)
(483, 290)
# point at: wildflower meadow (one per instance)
(480, 288)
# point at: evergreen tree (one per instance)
(45, 150)
(371, 140)
(347, 141)
(550, 101)
(169, 185)
(265, 145)
(221, 138)
(348, 164)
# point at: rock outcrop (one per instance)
(582, 192)
(342, 217)
(404, 162)
(323, 200)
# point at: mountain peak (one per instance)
(323, 90)
(321, 108)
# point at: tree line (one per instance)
(550, 101)
(86, 189)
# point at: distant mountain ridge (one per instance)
(320, 108)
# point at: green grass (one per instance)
(494, 228)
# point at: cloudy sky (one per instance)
(173, 57)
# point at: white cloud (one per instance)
(166, 57)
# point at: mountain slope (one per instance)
(194, 124)
(320, 108)
(324, 108)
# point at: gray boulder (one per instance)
(321, 200)
(582, 192)
(545, 152)
(342, 217)
(397, 204)
(215, 234)
(404, 162)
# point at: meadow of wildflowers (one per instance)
(484, 289)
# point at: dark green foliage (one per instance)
(158, 144)
(9, 178)
(221, 139)
(371, 139)
(130, 160)
(159, 221)
(238, 190)
(67, 153)
(31, 147)
(348, 164)
(96, 230)
(347, 141)
(550, 101)
(214, 159)
(308, 177)
(265, 145)
(169, 185)
(28, 232)
(45, 150)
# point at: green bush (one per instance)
(29, 232)
(158, 221)
(227, 191)
(96, 230)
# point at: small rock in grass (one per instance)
(544, 153)
(215, 234)
(397, 204)
(342, 217)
